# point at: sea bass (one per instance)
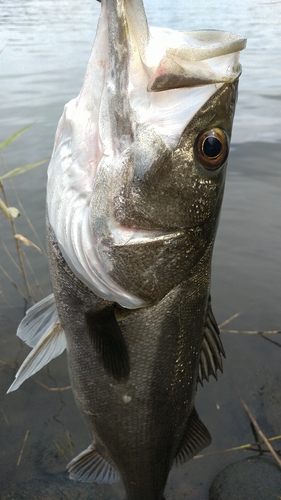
(135, 186)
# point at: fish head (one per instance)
(140, 156)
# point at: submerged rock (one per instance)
(254, 478)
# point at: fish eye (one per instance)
(211, 147)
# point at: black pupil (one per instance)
(212, 147)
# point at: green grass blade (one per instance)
(21, 170)
(11, 139)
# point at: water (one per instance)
(45, 47)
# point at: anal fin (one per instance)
(90, 467)
(194, 440)
(211, 350)
(109, 343)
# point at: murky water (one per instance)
(45, 46)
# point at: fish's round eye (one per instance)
(212, 148)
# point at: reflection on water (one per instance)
(45, 46)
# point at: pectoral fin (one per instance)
(212, 349)
(109, 343)
(90, 467)
(195, 439)
(51, 345)
(38, 319)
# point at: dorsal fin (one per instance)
(90, 467)
(108, 342)
(211, 350)
(194, 440)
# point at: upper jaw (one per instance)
(160, 77)
(149, 74)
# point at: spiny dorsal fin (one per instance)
(195, 439)
(211, 350)
(90, 467)
(109, 342)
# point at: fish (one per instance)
(134, 193)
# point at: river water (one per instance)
(45, 45)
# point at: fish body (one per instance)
(135, 187)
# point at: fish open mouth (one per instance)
(135, 76)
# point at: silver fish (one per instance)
(135, 187)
